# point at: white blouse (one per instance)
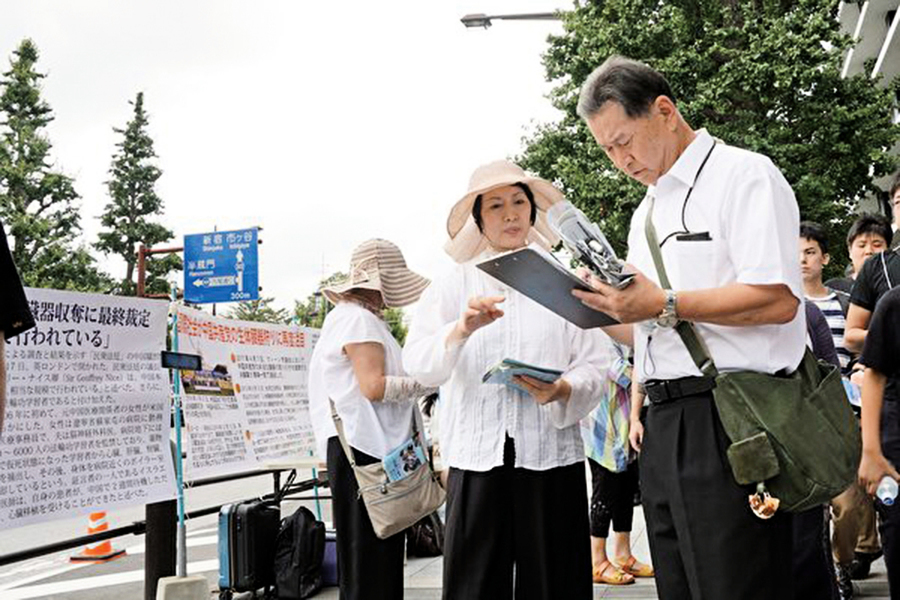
(476, 417)
(375, 428)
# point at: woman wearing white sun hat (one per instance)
(357, 365)
(517, 497)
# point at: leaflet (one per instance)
(503, 372)
(402, 461)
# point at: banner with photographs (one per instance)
(248, 406)
(87, 420)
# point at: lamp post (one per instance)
(483, 20)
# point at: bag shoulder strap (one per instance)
(685, 329)
(339, 426)
(843, 299)
(418, 428)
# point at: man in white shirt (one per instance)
(727, 223)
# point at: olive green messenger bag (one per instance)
(794, 438)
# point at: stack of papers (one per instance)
(503, 372)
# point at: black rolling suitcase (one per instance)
(247, 532)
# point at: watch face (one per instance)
(667, 321)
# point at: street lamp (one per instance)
(483, 20)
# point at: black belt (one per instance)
(661, 391)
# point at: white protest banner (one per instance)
(248, 406)
(87, 422)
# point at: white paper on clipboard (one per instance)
(546, 282)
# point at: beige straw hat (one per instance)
(466, 241)
(379, 265)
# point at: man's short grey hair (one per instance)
(628, 82)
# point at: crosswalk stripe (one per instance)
(89, 583)
(192, 542)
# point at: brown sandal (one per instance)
(610, 574)
(635, 568)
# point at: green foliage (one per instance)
(762, 74)
(394, 319)
(38, 203)
(311, 312)
(259, 311)
(126, 219)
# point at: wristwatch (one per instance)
(668, 317)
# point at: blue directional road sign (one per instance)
(222, 266)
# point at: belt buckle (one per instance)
(661, 387)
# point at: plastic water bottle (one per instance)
(887, 490)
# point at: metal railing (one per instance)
(288, 492)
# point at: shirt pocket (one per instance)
(694, 264)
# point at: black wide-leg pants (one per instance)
(368, 567)
(890, 515)
(517, 533)
(705, 541)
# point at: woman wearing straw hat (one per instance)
(357, 365)
(516, 493)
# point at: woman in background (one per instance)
(357, 365)
(614, 477)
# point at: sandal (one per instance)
(610, 574)
(635, 568)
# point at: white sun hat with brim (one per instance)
(466, 240)
(379, 265)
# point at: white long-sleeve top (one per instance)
(476, 417)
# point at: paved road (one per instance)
(55, 578)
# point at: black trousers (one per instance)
(511, 520)
(612, 499)
(368, 567)
(890, 515)
(814, 575)
(705, 542)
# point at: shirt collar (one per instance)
(684, 172)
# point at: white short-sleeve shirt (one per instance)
(748, 209)
(375, 428)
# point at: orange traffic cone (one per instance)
(101, 551)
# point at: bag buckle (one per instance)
(762, 503)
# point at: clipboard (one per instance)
(546, 282)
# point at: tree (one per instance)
(260, 311)
(132, 188)
(394, 319)
(759, 74)
(311, 313)
(38, 203)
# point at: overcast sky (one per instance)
(323, 123)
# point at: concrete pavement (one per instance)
(54, 578)
(123, 579)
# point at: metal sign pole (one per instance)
(179, 465)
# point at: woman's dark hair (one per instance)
(476, 207)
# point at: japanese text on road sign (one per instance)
(222, 266)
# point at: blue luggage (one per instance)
(247, 532)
